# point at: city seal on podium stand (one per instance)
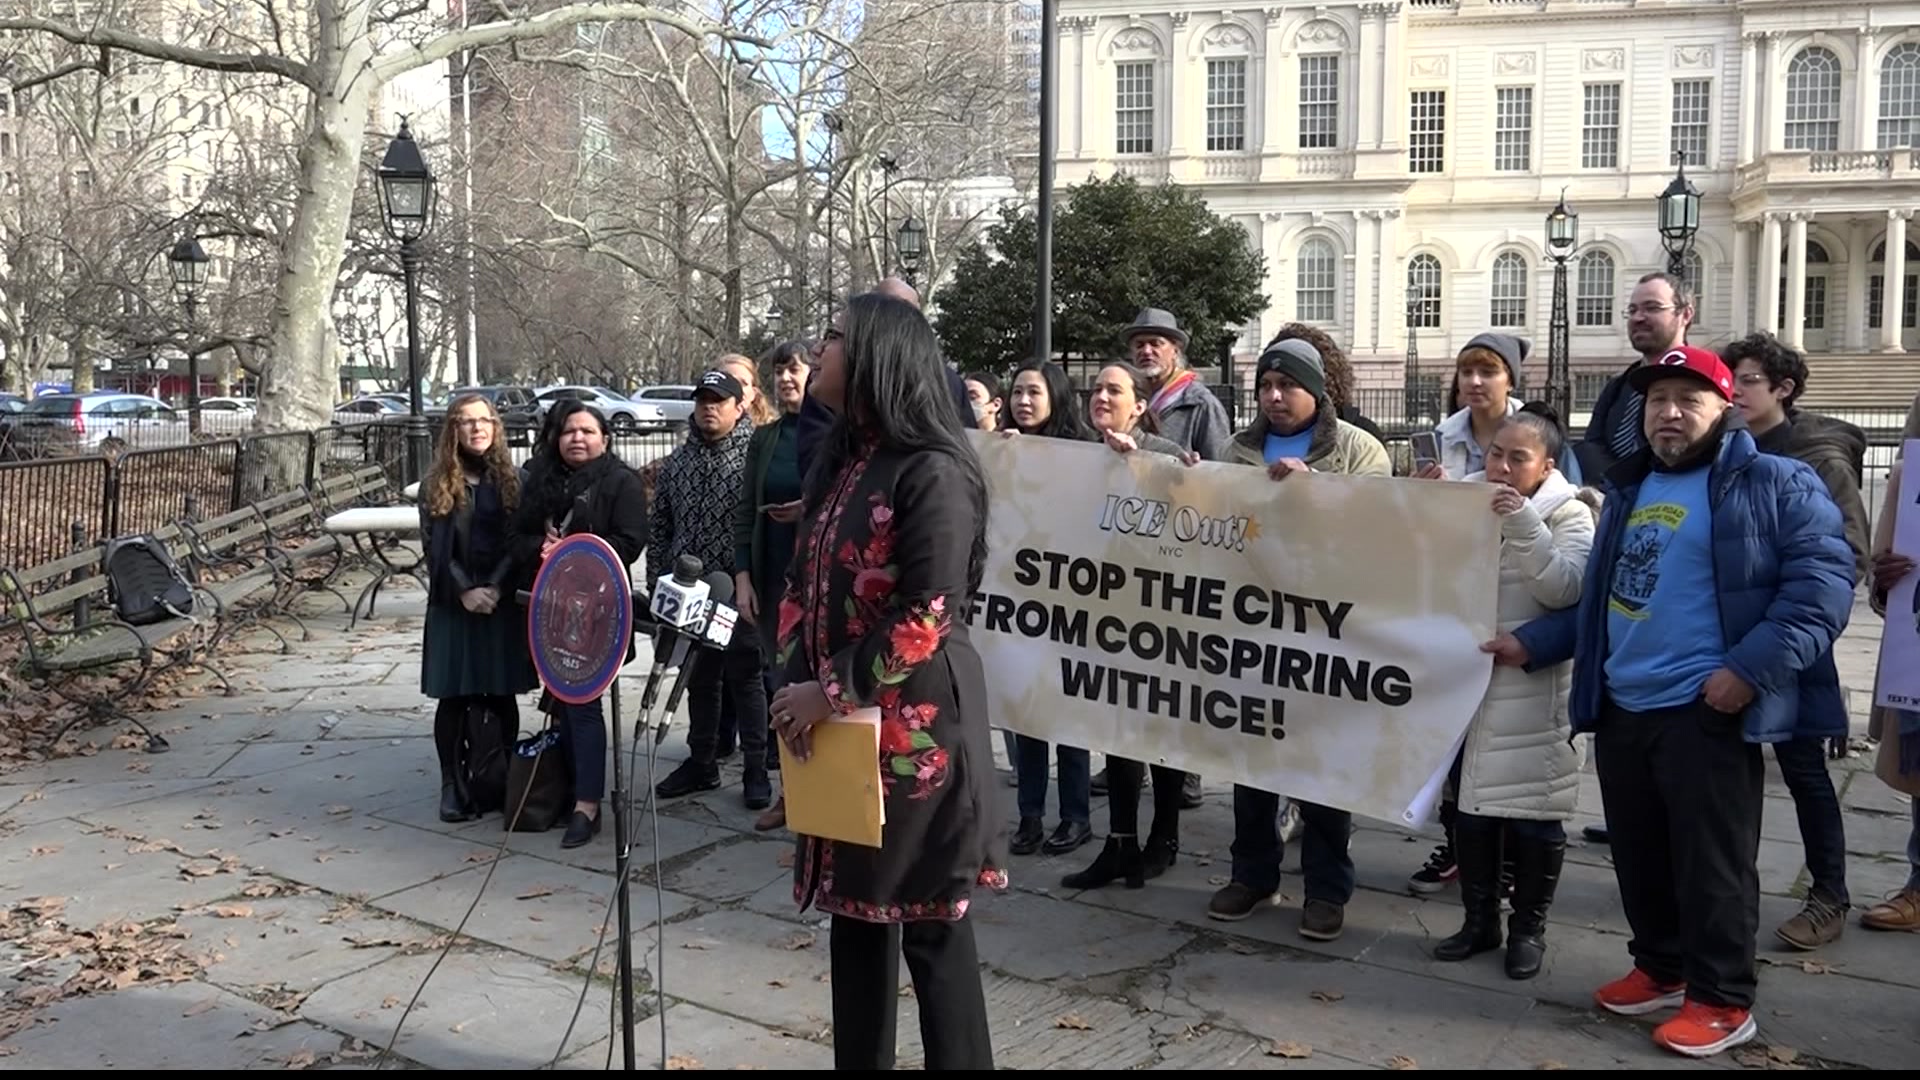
(580, 618)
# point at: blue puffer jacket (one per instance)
(1783, 576)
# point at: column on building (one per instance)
(1853, 335)
(1748, 55)
(1866, 95)
(1273, 92)
(1772, 124)
(1366, 224)
(1390, 303)
(1369, 73)
(1742, 278)
(1770, 268)
(1071, 82)
(1273, 223)
(1186, 95)
(1893, 290)
(1794, 333)
(1393, 118)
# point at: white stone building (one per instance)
(1369, 145)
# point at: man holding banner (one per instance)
(1295, 432)
(1720, 577)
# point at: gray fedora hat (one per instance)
(1155, 321)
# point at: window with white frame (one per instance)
(1813, 101)
(1427, 132)
(1600, 127)
(1900, 96)
(1513, 129)
(1423, 292)
(1909, 294)
(1692, 119)
(1693, 274)
(1316, 279)
(1594, 290)
(1320, 101)
(1509, 304)
(1227, 104)
(1133, 107)
(1813, 307)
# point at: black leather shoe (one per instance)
(1160, 852)
(1067, 836)
(1120, 859)
(451, 808)
(757, 789)
(690, 778)
(581, 830)
(1027, 838)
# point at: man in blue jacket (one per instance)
(1720, 579)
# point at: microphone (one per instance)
(715, 631)
(679, 600)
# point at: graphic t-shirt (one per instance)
(1663, 613)
(1288, 446)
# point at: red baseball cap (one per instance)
(1686, 360)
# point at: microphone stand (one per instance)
(623, 854)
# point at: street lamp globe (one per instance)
(188, 262)
(406, 187)
(1563, 229)
(1679, 212)
(911, 238)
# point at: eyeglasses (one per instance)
(475, 421)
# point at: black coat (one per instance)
(614, 508)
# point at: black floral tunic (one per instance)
(877, 579)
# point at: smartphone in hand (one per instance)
(1426, 449)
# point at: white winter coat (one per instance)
(1518, 761)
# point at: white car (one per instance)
(622, 413)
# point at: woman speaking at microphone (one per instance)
(891, 550)
(577, 486)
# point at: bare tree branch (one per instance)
(107, 37)
(523, 28)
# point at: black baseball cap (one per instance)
(721, 383)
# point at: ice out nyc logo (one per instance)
(1156, 519)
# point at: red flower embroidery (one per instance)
(914, 641)
(895, 738)
(873, 586)
(790, 614)
(936, 759)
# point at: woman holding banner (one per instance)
(891, 550)
(1117, 411)
(1041, 404)
(1517, 778)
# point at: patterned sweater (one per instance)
(698, 490)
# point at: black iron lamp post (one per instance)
(1410, 375)
(911, 241)
(406, 203)
(1679, 217)
(187, 262)
(1563, 232)
(1049, 139)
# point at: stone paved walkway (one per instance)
(272, 892)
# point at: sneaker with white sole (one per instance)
(1638, 994)
(1703, 1030)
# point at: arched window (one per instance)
(1694, 276)
(1423, 292)
(1814, 308)
(1813, 101)
(1900, 96)
(1593, 294)
(1316, 280)
(1509, 307)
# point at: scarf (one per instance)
(552, 491)
(1170, 391)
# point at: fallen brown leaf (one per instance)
(1550, 1066)
(1289, 1050)
(1217, 879)
(535, 893)
(1815, 967)
(356, 1049)
(480, 856)
(699, 944)
(1242, 947)
(362, 942)
(1072, 1022)
(1402, 1063)
(337, 809)
(200, 1007)
(777, 984)
(300, 1059)
(683, 1061)
(33, 796)
(1785, 1055)
(1327, 997)
(796, 942)
(785, 858)
(457, 1028)
(390, 1001)
(44, 849)
(233, 911)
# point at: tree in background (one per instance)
(1118, 246)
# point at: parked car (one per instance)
(60, 424)
(623, 413)
(675, 401)
(519, 411)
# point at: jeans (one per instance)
(583, 729)
(1076, 779)
(1258, 849)
(1803, 765)
(1682, 789)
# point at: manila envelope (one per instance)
(836, 794)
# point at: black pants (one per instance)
(1682, 791)
(1803, 765)
(1123, 797)
(450, 718)
(734, 672)
(946, 981)
(1258, 850)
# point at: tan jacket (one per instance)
(1337, 447)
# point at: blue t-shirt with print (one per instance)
(1288, 446)
(1663, 616)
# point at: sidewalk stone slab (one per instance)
(532, 906)
(179, 1026)
(362, 862)
(744, 964)
(299, 942)
(700, 1038)
(483, 1009)
(677, 838)
(306, 672)
(74, 862)
(1215, 1048)
(1035, 1026)
(1037, 938)
(1549, 1038)
(112, 766)
(733, 871)
(30, 804)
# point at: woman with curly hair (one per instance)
(475, 650)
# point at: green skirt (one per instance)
(468, 655)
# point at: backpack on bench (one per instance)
(144, 584)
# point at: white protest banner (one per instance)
(1316, 637)
(1898, 683)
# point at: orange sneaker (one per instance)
(1638, 994)
(1704, 1030)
